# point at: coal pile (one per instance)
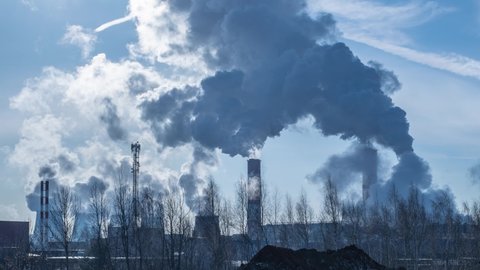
(351, 257)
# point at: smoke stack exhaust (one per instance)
(254, 207)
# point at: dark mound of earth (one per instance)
(351, 257)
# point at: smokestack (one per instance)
(254, 207)
(44, 210)
(369, 176)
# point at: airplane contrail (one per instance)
(113, 23)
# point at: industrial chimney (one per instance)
(44, 211)
(254, 207)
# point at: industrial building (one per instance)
(14, 243)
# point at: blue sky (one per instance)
(51, 52)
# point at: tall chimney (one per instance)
(42, 207)
(44, 211)
(254, 206)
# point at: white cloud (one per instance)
(30, 4)
(162, 36)
(42, 94)
(83, 38)
(9, 212)
(381, 21)
(63, 109)
(451, 62)
(384, 27)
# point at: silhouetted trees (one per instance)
(402, 231)
(64, 213)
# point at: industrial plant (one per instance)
(135, 229)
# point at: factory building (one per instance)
(14, 243)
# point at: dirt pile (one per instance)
(351, 257)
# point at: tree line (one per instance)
(407, 232)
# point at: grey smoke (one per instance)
(65, 163)
(82, 190)
(45, 173)
(411, 170)
(138, 83)
(112, 121)
(474, 173)
(49, 173)
(190, 181)
(168, 116)
(389, 80)
(280, 74)
(344, 168)
(272, 71)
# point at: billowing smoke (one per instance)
(80, 189)
(194, 177)
(276, 73)
(360, 160)
(275, 65)
(45, 173)
(112, 121)
(411, 170)
(66, 163)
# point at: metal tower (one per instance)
(135, 170)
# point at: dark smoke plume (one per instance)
(45, 173)
(343, 169)
(276, 74)
(65, 163)
(111, 119)
(49, 173)
(272, 71)
(190, 180)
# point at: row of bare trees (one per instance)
(399, 232)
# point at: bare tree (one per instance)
(446, 227)
(473, 213)
(304, 218)
(179, 229)
(213, 255)
(150, 237)
(123, 214)
(413, 224)
(332, 210)
(99, 214)
(240, 211)
(226, 217)
(288, 220)
(273, 219)
(352, 216)
(63, 219)
(211, 199)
